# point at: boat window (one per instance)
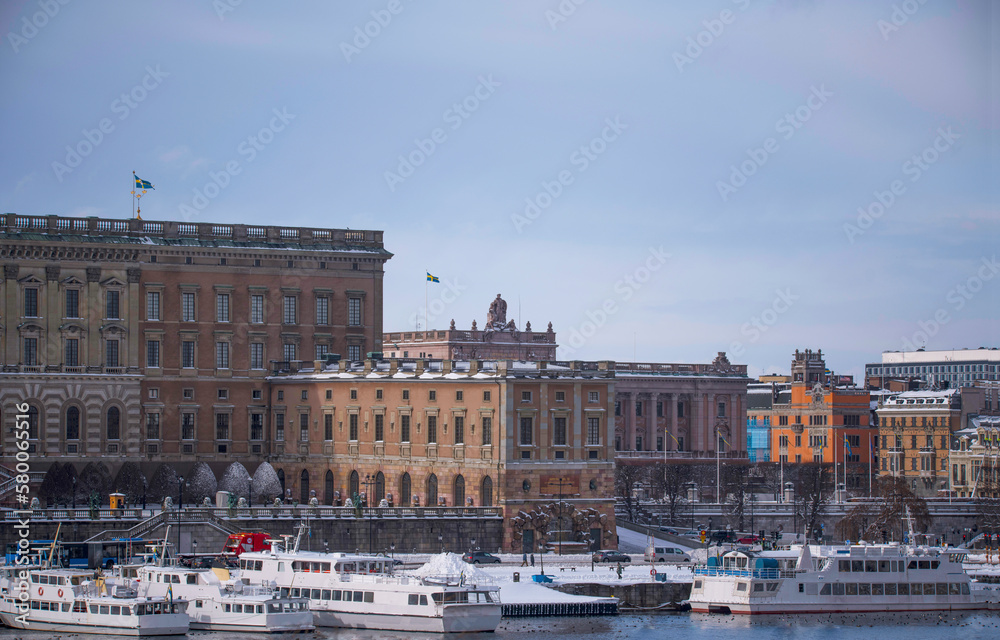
(238, 608)
(349, 567)
(871, 566)
(758, 586)
(851, 588)
(104, 609)
(295, 593)
(175, 608)
(35, 605)
(228, 608)
(877, 589)
(857, 565)
(258, 565)
(912, 565)
(369, 596)
(316, 567)
(192, 578)
(916, 589)
(965, 589)
(924, 564)
(954, 589)
(79, 606)
(883, 566)
(44, 606)
(825, 590)
(423, 600)
(336, 596)
(326, 594)
(197, 604)
(359, 596)
(74, 580)
(281, 566)
(326, 567)
(838, 588)
(260, 608)
(65, 606)
(742, 586)
(315, 594)
(942, 588)
(890, 588)
(413, 599)
(935, 564)
(697, 584)
(845, 566)
(284, 592)
(116, 610)
(243, 565)
(273, 607)
(296, 566)
(437, 597)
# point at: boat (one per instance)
(39, 598)
(360, 591)
(852, 578)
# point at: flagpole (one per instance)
(426, 278)
(871, 452)
(133, 194)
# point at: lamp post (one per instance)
(74, 494)
(562, 482)
(392, 550)
(369, 483)
(194, 545)
(180, 502)
(441, 542)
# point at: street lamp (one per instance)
(369, 483)
(562, 482)
(194, 545)
(74, 493)
(392, 550)
(180, 502)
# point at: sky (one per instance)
(660, 180)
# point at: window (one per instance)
(288, 310)
(222, 394)
(378, 394)
(783, 421)
(72, 352)
(111, 353)
(404, 428)
(560, 396)
(459, 429)
(152, 426)
(593, 396)
(354, 312)
(31, 351)
(187, 426)
(113, 423)
(432, 431)
(187, 354)
(222, 307)
(798, 441)
(73, 423)
(486, 396)
(279, 427)
(303, 427)
(352, 422)
(525, 396)
(187, 307)
(379, 427)
(406, 394)
(31, 302)
(526, 430)
(354, 394)
(322, 310)
(152, 353)
(459, 396)
(256, 355)
(305, 394)
(638, 409)
(432, 395)
(257, 308)
(221, 355)
(594, 431)
(722, 410)
(353, 352)
(680, 409)
(288, 351)
(222, 426)
(487, 429)
(112, 307)
(559, 431)
(73, 303)
(256, 426)
(659, 409)
(321, 351)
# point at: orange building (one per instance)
(823, 422)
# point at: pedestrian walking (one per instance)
(524, 559)
(532, 559)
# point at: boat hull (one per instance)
(168, 628)
(822, 608)
(469, 618)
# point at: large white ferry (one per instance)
(78, 601)
(828, 579)
(360, 591)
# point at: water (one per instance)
(922, 626)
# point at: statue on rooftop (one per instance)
(497, 315)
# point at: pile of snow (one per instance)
(451, 564)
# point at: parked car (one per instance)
(723, 535)
(480, 557)
(666, 554)
(751, 539)
(611, 556)
(692, 533)
(669, 530)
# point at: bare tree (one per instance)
(670, 481)
(813, 489)
(884, 517)
(627, 478)
(735, 483)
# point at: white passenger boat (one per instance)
(217, 602)
(827, 579)
(78, 601)
(361, 592)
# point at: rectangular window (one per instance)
(72, 358)
(256, 355)
(187, 354)
(288, 310)
(221, 355)
(459, 396)
(353, 352)
(722, 410)
(593, 396)
(352, 421)
(187, 426)
(487, 429)
(486, 396)
(432, 429)
(152, 426)
(680, 409)
(379, 427)
(594, 431)
(525, 396)
(303, 427)
(659, 409)
(322, 310)
(72, 303)
(459, 429)
(378, 394)
(432, 395)
(187, 307)
(256, 426)
(406, 394)
(288, 352)
(638, 409)
(153, 353)
(354, 312)
(321, 351)
(111, 353)
(222, 426)
(560, 396)
(222, 307)
(257, 309)
(404, 428)
(559, 431)
(527, 430)
(279, 427)
(328, 427)
(153, 305)
(112, 306)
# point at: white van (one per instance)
(666, 554)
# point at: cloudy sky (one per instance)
(659, 180)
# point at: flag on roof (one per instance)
(431, 278)
(140, 183)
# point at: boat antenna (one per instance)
(909, 524)
(52, 548)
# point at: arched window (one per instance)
(379, 489)
(73, 423)
(281, 480)
(486, 493)
(32, 422)
(304, 487)
(113, 424)
(328, 488)
(353, 485)
(404, 490)
(459, 492)
(432, 491)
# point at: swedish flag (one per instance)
(142, 184)
(431, 278)
(847, 443)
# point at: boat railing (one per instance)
(763, 574)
